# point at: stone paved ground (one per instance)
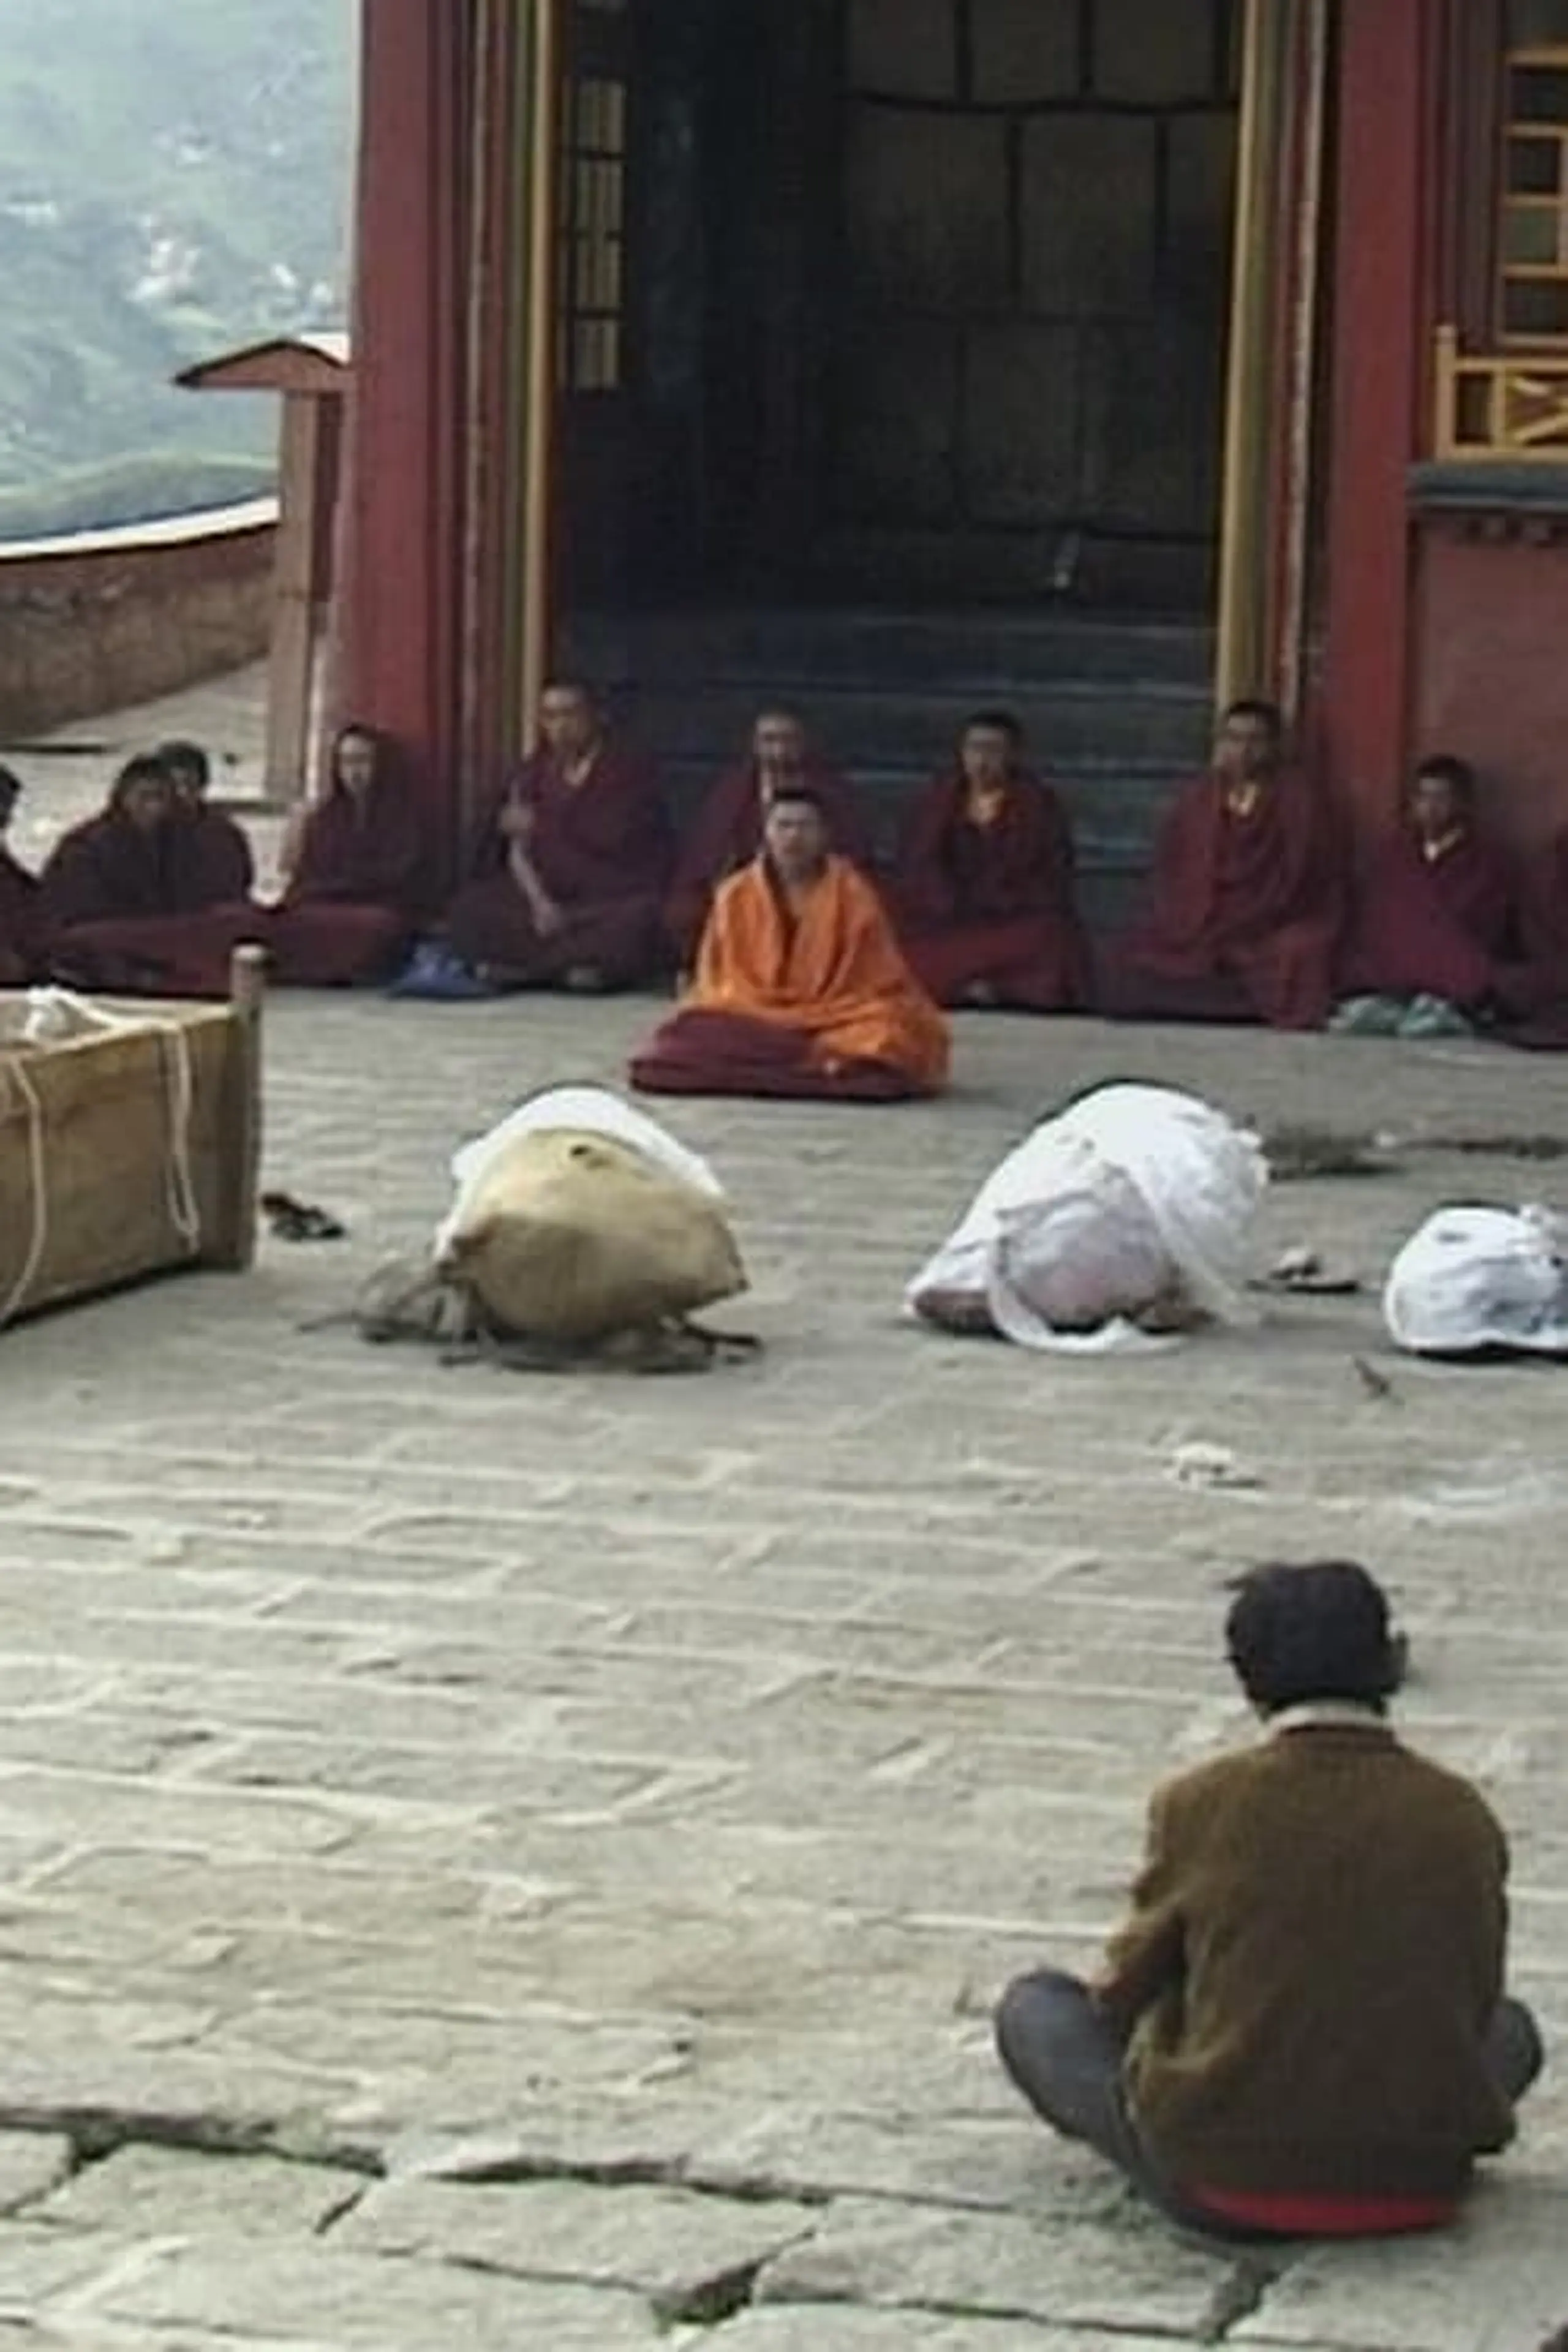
(513, 1862)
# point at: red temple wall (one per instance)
(1490, 627)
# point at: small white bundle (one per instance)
(1472, 1280)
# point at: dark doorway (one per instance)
(925, 300)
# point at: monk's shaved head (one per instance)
(1251, 738)
(569, 718)
(778, 744)
(794, 834)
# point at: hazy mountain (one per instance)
(174, 178)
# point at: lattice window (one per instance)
(594, 223)
(1533, 230)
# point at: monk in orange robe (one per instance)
(985, 883)
(728, 833)
(569, 871)
(1248, 895)
(801, 989)
(123, 906)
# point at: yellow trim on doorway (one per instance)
(540, 373)
(1242, 618)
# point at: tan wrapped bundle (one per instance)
(569, 1235)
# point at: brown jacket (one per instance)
(1314, 1956)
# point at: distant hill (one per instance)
(174, 177)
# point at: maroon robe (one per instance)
(1244, 913)
(601, 850)
(1432, 926)
(361, 882)
(21, 924)
(1534, 993)
(120, 912)
(728, 834)
(991, 907)
(209, 859)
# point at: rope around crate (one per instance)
(179, 1178)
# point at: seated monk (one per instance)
(567, 881)
(357, 871)
(801, 989)
(984, 885)
(119, 905)
(21, 920)
(1247, 895)
(1533, 993)
(209, 849)
(728, 833)
(1435, 919)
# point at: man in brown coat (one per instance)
(1301, 2030)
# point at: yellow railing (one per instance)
(1508, 406)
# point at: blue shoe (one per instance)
(432, 974)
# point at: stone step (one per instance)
(863, 724)
(975, 652)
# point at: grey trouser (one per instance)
(1067, 2060)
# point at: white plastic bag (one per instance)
(1473, 1279)
(1133, 1194)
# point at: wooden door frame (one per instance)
(1269, 469)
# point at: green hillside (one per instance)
(174, 177)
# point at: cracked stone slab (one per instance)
(31, 2165)
(36, 2264)
(314, 2296)
(824, 2327)
(1497, 2283)
(182, 2192)
(672, 2245)
(1057, 2269)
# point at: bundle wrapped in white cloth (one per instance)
(578, 1217)
(1135, 1203)
(1471, 1280)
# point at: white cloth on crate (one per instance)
(1474, 1279)
(1130, 1192)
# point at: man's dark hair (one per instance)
(1252, 707)
(1318, 1631)
(1444, 768)
(179, 752)
(995, 722)
(10, 790)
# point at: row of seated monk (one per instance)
(575, 879)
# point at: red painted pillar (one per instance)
(400, 621)
(1383, 325)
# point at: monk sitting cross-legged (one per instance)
(728, 832)
(801, 989)
(207, 849)
(985, 885)
(1246, 898)
(357, 870)
(568, 876)
(125, 907)
(1433, 940)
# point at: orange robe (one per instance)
(808, 999)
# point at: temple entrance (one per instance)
(924, 301)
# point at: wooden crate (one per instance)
(130, 1152)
